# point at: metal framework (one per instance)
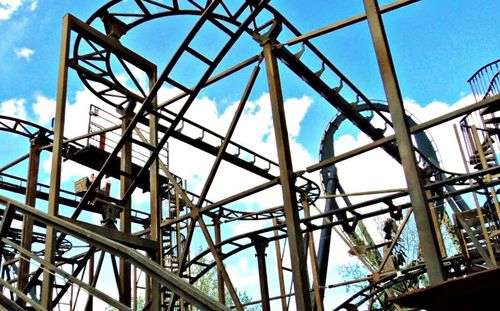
(163, 249)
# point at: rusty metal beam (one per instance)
(260, 244)
(118, 49)
(221, 292)
(279, 262)
(57, 153)
(125, 216)
(227, 138)
(26, 239)
(28, 255)
(169, 280)
(15, 162)
(287, 178)
(130, 240)
(154, 191)
(220, 265)
(347, 22)
(494, 100)
(427, 235)
(6, 284)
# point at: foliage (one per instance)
(208, 284)
(140, 305)
(405, 254)
(353, 271)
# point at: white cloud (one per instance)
(70, 171)
(77, 113)
(33, 5)
(8, 7)
(375, 170)
(14, 108)
(444, 135)
(76, 124)
(25, 53)
(254, 131)
(45, 109)
(244, 275)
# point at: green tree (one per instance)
(140, 305)
(208, 284)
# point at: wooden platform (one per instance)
(478, 291)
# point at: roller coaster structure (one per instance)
(162, 249)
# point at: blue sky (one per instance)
(436, 45)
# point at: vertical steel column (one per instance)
(279, 261)
(260, 243)
(296, 242)
(134, 296)
(178, 237)
(220, 278)
(154, 189)
(318, 296)
(125, 216)
(57, 152)
(428, 240)
(90, 303)
(26, 239)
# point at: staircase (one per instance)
(481, 233)
(491, 118)
(488, 153)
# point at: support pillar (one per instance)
(279, 261)
(90, 266)
(27, 233)
(318, 294)
(125, 216)
(260, 243)
(427, 235)
(57, 153)
(296, 241)
(220, 277)
(154, 189)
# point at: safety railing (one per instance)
(486, 81)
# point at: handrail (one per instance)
(482, 81)
(493, 81)
(480, 69)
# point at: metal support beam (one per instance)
(154, 189)
(279, 262)
(27, 233)
(427, 235)
(89, 288)
(15, 162)
(317, 286)
(296, 242)
(260, 243)
(125, 216)
(220, 265)
(90, 267)
(489, 101)
(220, 278)
(57, 152)
(347, 22)
(169, 280)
